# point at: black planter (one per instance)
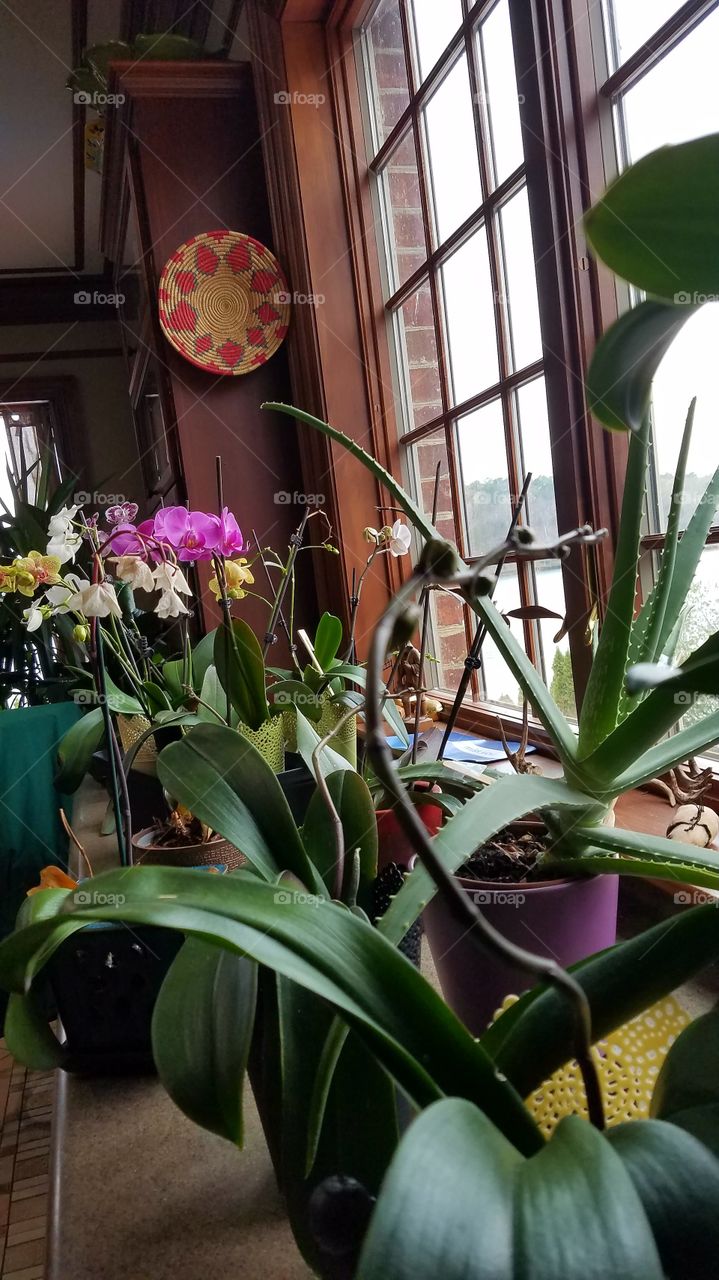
(104, 981)
(298, 785)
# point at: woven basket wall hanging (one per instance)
(223, 302)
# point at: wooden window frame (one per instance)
(320, 180)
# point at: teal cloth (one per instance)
(31, 834)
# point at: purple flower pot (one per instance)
(561, 919)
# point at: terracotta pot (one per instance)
(566, 920)
(394, 845)
(210, 853)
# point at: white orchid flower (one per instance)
(169, 577)
(33, 616)
(64, 539)
(170, 605)
(95, 600)
(400, 539)
(134, 570)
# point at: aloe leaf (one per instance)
(480, 818)
(606, 681)
(625, 360)
(655, 849)
(656, 225)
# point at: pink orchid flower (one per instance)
(231, 541)
(129, 540)
(193, 535)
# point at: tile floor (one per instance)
(26, 1099)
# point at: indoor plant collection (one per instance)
(283, 954)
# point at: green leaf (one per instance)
(321, 946)
(308, 740)
(530, 681)
(353, 802)
(656, 225)
(212, 708)
(202, 658)
(172, 673)
(678, 1184)
(326, 1066)
(295, 693)
(505, 800)
(577, 1212)
(600, 708)
(77, 748)
(99, 56)
(121, 702)
(28, 1037)
(242, 672)
(403, 499)
(445, 1208)
(625, 360)
(684, 869)
(535, 1037)
(166, 46)
(228, 785)
(201, 1033)
(689, 1075)
(328, 639)
(652, 763)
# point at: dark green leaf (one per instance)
(295, 693)
(77, 748)
(353, 802)
(690, 1074)
(28, 1036)
(228, 785)
(678, 1184)
(625, 360)
(202, 658)
(201, 1033)
(241, 670)
(656, 226)
(328, 639)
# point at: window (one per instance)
(27, 440)
(461, 301)
(661, 86)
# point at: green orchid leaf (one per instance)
(308, 740)
(328, 639)
(326, 1067)
(507, 799)
(212, 707)
(201, 1033)
(241, 671)
(689, 1076)
(172, 674)
(352, 800)
(427, 1222)
(77, 748)
(625, 360)
(202, 658)
(600, 709)
(535, 1037)
(121, 702)
(677, 1180)
(296, 693)
(227, 784)
(28, 1037)
(578, 1213)
(656, 225)
(321, 946)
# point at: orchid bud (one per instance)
(406, 623)
(81, 633)
(371, 535)
(441, 558)
(524, 536)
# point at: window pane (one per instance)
(389, 95)
(548, 591)
(469, 314)
(701, 619)
(452, 148)
(531, 400)
(634, 22)
(418, 361)
(689, 369)
(498, 683)
(435, 22)
(520, 280)
(678, 100)
(404, 225)
(499, 98)
(483, 471)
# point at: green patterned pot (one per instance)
(269, 740)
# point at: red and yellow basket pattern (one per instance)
(223, 302)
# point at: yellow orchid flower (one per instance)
(236, 575)
(36, 570)
(8, 577)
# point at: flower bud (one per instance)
(524, 536)
(405, 626)
(441, 558)
(81, 633)
(370, 535)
